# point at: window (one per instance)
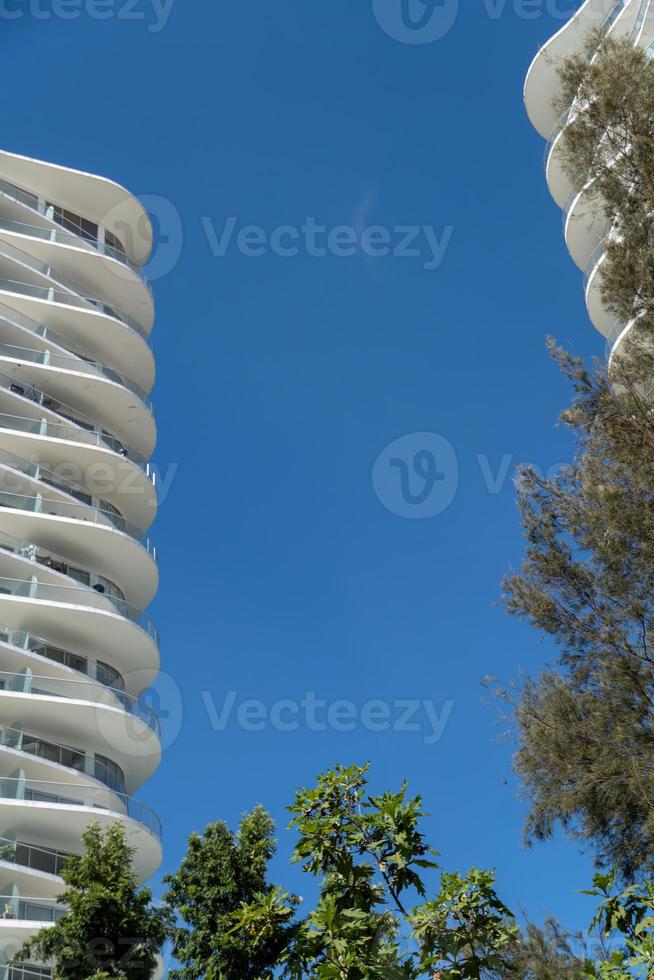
(86, 229)
(113, 242)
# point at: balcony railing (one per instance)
(25, 971)
(96, 670)
(62, 794)
(52, 480)
(31, 856)
(40, 591)
(31, 909)
(73, 433)
(36, 504)
(31, 201)
(104, 770)
(46, 686)
(51, 294)
(58, 563)
(73, 350)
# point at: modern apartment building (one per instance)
(77, 497)
(584, 223)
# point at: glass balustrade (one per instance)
(103, 509)
(51, 294)
(607, 24)
(80, 421)
(103, 673)
(25, 971)
(36, 504)
(613, 336)
(32, 856)
(58, 430)
(61, 794)
(58, 563)
(596, 255)
(50, 358)
(72, 352)
(31, 909)
(72, 228)
(88, 597)
(28, 683)
(97, 766)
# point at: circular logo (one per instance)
(416, 21)
(416, 476)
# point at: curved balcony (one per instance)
(26, 653)
(600, 316)
(85, 599)
(81, 321)
(77, 495)
(56, 568)
(54, 507)
(126, 748)
(585, 224)
(128, 487)
(93, 401)
(67, 757)
(626, 18)
(95, 198)
(64, 231)
(47, 860)
(85, 269)
(542, 84)
(65, 351)
(31, 909)
(71, 433)
(18, 473)
(95, 555)
(73, 690)
(71, 291)
(62, 811)
(53, 793)
(55, 412)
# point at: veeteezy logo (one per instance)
(416, 21)
(426, 21)
(341, 241)
(313, 714)
(155, 13)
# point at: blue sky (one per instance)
(282, 378)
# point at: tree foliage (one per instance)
(586, 739)
(111, 929)
(221, 871)
(372, 919)
(585, 725)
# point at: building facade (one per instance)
(584, 223)
(77, 496)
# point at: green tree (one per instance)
(370, 921)
(626, 921)
(221, 870)
(586, 740)
(111, 929)
(607, 146)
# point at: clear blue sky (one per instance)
(282, 378)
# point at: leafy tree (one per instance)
(220, 871)
(368, 857)
(626, 915)
(110, 929)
